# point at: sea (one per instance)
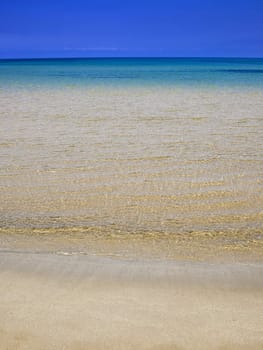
(152, 145)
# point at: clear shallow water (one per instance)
(134, 145)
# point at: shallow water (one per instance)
(132, 146)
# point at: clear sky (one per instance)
(88, 28)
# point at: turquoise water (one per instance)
(133, 71)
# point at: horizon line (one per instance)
(128, 57)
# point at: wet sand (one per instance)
(54, 300)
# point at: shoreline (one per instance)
(230, 246)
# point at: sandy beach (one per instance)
(65, 301)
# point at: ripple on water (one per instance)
(168, 160)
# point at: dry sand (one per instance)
(56, 301)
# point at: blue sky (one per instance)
(84, 28)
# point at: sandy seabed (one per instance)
(60, 301)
